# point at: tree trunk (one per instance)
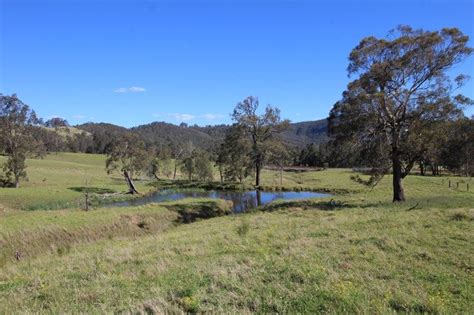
(17, 183)
(281, 176)
(131, 186)
(257, 176)
(259, 198)
(398, 193)
(422, 169)
(174, 174)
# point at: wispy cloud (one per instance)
(132, 89)
(212, 116)
(188, 117)
(182, 117)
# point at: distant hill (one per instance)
(102, 127)
(306, 132)
(162, 133)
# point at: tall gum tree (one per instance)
(260, 128)
(402, 79)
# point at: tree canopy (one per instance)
(17, 122)
(260, 129)
(402, 84)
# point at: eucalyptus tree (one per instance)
(233, 157)
(260, 128)
(17, 124)
(401, 79)
(127, 155)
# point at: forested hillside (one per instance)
(161, 133)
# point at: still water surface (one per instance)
(243, 200)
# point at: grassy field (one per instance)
(358, 253)
(56, 182)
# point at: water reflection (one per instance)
(242, 200)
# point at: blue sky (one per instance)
(134, 62)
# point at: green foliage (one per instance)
(402, 87)
(204, 170)
(233, 157)
(260, 129)
(16, 137)
(127, 154)
(197, 165)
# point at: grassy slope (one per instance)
(53, 182)
(364, 255)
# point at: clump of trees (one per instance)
(197, 165)
(233, 156)
(56, 122)
(458, 152)
(312, 155)
(161, 164)
(402, 90)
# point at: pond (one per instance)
(242, 200)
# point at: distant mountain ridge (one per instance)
(161, 133)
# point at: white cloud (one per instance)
(182, 117)
(137, 89)
(212, 116)
(132, 89)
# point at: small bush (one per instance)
(459, 216)
(243, 228)
(190, 304)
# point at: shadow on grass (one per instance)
(328, 205)
(193, 211)
(93, 190)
